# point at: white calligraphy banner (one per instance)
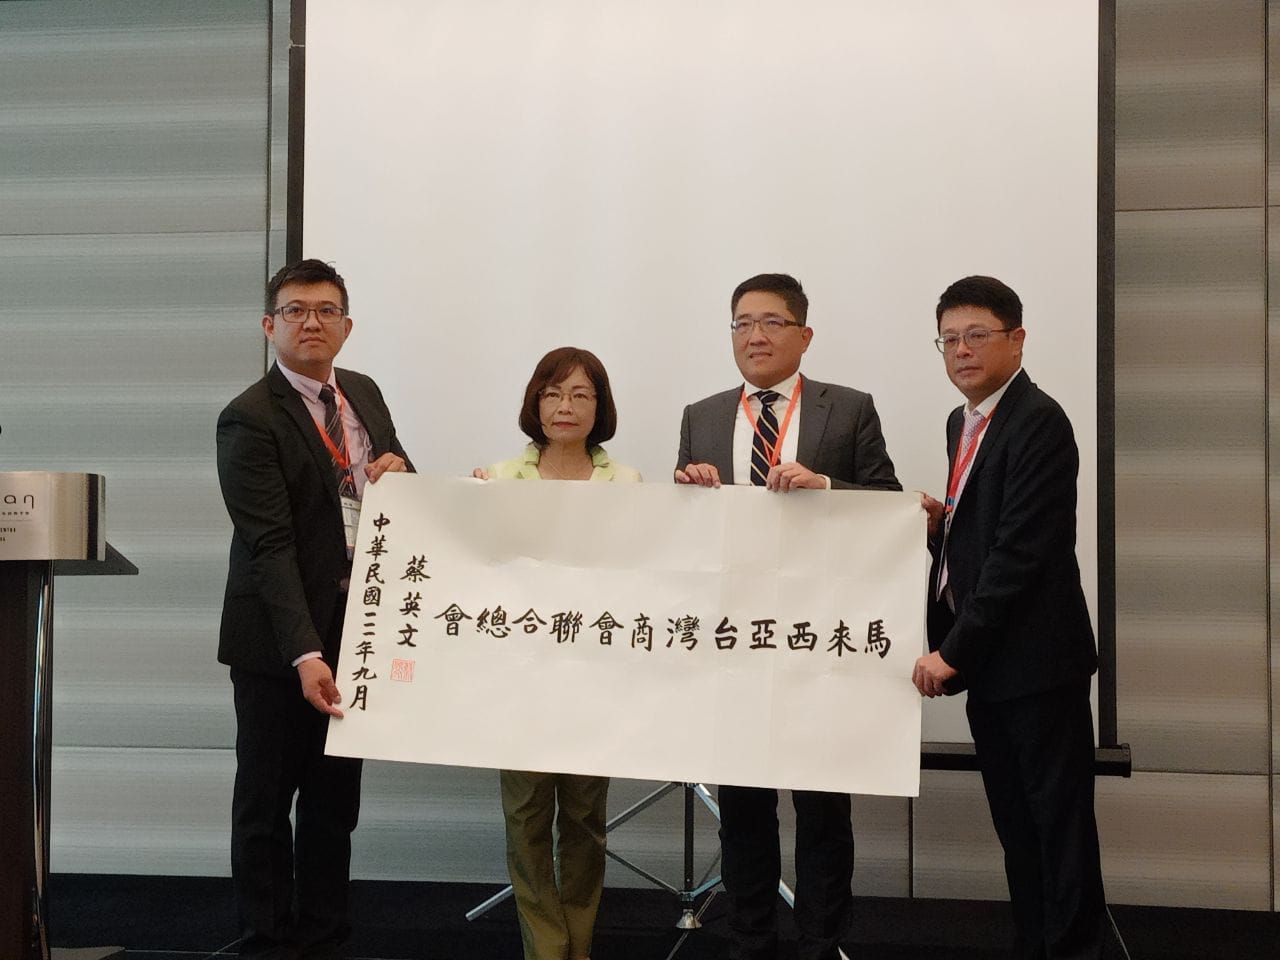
(643, 630)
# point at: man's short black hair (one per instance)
(306, 271)
(780, 284)
(986, 292)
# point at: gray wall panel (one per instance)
(1178, 710)
(1189, 98)
(882, 848)
(128, 810)
(181, 280)
(148, 205)
(421, 822)
(1273, 422)
(1186, 840)
(1191, 490)
(277, 174)
(192, 713)
(1273, 101)
(130, 118)
(957, 854)
(125, 349)
(133, 151)
(1190, 296)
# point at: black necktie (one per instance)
(765, 438)
(333, 427)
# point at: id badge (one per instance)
(350, 521)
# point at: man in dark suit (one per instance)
(783, 432)
(1007, 619)
(294, 453)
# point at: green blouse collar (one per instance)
(599, 458)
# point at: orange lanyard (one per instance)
(773, 451)
(341, 458)
(963, 461)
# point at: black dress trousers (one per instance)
(1036, 757)
(752, 868)
(291, 882)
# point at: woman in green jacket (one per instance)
(568, 412)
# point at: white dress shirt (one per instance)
(744, 433)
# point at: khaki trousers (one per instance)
(556, 918)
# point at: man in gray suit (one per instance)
(784, 432)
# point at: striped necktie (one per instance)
(765, 438)
(333, 427)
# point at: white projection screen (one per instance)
(495, 178)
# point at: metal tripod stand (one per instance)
(690, 919)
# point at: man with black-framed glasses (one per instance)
(295, 451)
(784, 432)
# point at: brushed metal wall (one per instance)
(133, 214)
(1192, 491)
(1273, 419)
(142, 207)
(1189, 103)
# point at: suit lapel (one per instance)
(999, 417)
(726, 415)
(815, 408)
(955, 425)
(296, 411)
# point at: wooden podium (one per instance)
(51, 525)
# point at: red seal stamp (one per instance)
(402, 670)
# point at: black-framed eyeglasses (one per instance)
(974, 339)
(297, 313)
(771, 324)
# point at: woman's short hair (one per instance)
(552, 369)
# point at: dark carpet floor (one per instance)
(193, 918)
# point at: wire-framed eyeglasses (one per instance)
(974, 339)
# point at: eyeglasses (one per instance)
(297, 313)
(974, 339)
(578, 398)
(769, 325)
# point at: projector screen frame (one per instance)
(1113, 758)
